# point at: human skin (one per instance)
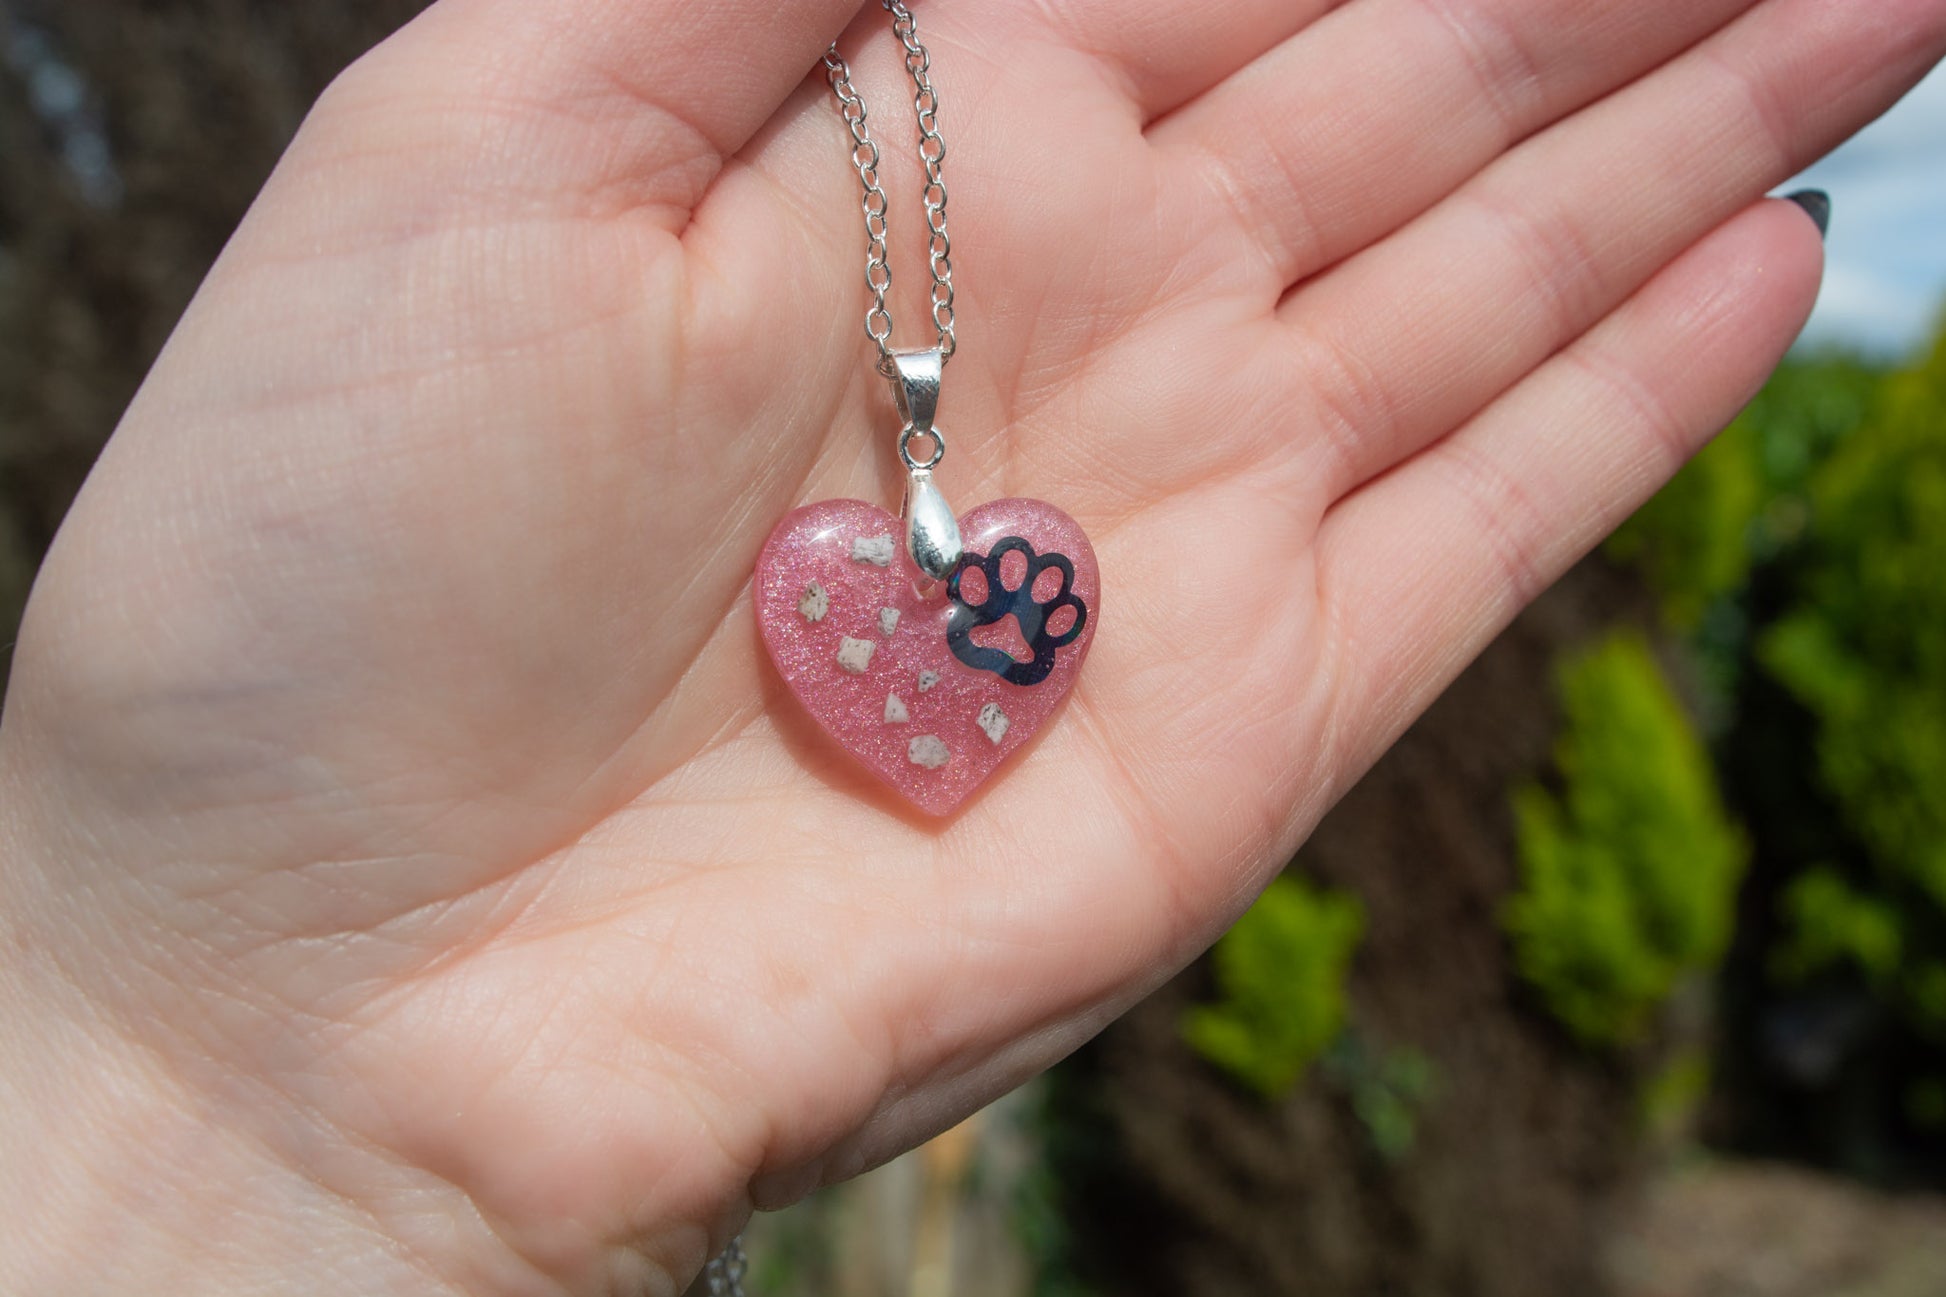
(415, 879)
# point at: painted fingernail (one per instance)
(1816, 204)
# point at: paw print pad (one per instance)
(998, 603)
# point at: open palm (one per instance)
(392, 758)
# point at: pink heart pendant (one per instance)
(931, 684)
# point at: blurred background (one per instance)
(1624, 973)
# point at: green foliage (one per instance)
(1822, 652)
(1803, 413)
(1829, 923)
(1743, 498)
(1864, 645)
(1281, 975)
(1629, 873)
(1387, 1089)
(1923, 985)
(1691, 541)
(1925, 1103)
(1044, 1235)
(1674, 1095)
(1047, 1208)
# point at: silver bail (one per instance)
(915, 386)
(931, 531)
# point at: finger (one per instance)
(1338, 137)
(1162, 53)
(634, 103)
(1494, 280)
(1419, 569)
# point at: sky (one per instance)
(1885, 264)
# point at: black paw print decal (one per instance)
(1018, 603)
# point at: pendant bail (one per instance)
(932, 535)
(915, 390)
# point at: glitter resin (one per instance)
(861, 637)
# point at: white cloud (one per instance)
(1885, 267)
(1863, 309)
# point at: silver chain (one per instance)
(932, 156)
(724, 1274)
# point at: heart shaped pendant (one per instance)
(930, 683)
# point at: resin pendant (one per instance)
(931, 684)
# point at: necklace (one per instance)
(930, 647)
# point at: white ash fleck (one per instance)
(896, 712)
(927, 750)
(927, 679)
(815, 603)
(994, 722)
(888, 621)
(854, 655)
(876, 550)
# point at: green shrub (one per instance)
(1863, 648)
(1828, 923)
(1744, 498)
(1280, 973)
(1691, 541)
(1629, 872)
(1864, 644)
(1807, 409)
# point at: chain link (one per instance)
(724, 1273)
(932, 156)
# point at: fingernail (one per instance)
(1816, 204)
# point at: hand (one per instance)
(416, 877)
